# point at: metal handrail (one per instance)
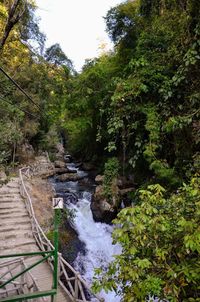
(75, 286)
(27, 280)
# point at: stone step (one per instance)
(9, 192)
(15, 221)
(10, 199)
(12, 205)
(28, 248)
(12, 228)
(31, 247)
(13, 244)
(11, 215)
(26, 233)
(20, 249)
(13, 184)
(5, 211)
(10, 195)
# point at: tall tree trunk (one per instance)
(13, 18)
(14, 153)
(123, 150)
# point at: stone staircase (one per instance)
(16, 237)
(15, 233)
(15, 227)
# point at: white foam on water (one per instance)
(98, 242)
(99, 248)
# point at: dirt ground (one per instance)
(41, 192)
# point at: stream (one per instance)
(93, 247)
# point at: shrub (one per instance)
(160, 241)
(110, 175)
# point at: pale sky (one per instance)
(77, 25)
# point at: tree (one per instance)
(55, 55)
(15, 13)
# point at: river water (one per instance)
(97, 248)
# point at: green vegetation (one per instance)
(140, 103)
(134, 110)
(111, 173)
(160, 239)
(43, 74)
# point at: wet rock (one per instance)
(69, 177)
(67, 158)
(70, 244)
(46, 174)
(72, 170)
(61, 170)
(102, 210)
(59, 164)
(71, 198)
(99, 179)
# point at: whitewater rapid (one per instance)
(97, 237)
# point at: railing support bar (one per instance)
(25, 297)
(56, 223)
(24, 271)
(42, 253)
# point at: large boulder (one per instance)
(42, 167)
(64, 171)
(59, 164)
(99, 179)
(69, 177)
(61, 170)
(102, 209)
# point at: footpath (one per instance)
(16, 237)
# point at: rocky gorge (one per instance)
(103, 209)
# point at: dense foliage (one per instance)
(43, 74)
(141, 102)
(160, 239)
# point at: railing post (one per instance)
(55, 274)
(76, 287)
(22, 276)
(59, 266)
